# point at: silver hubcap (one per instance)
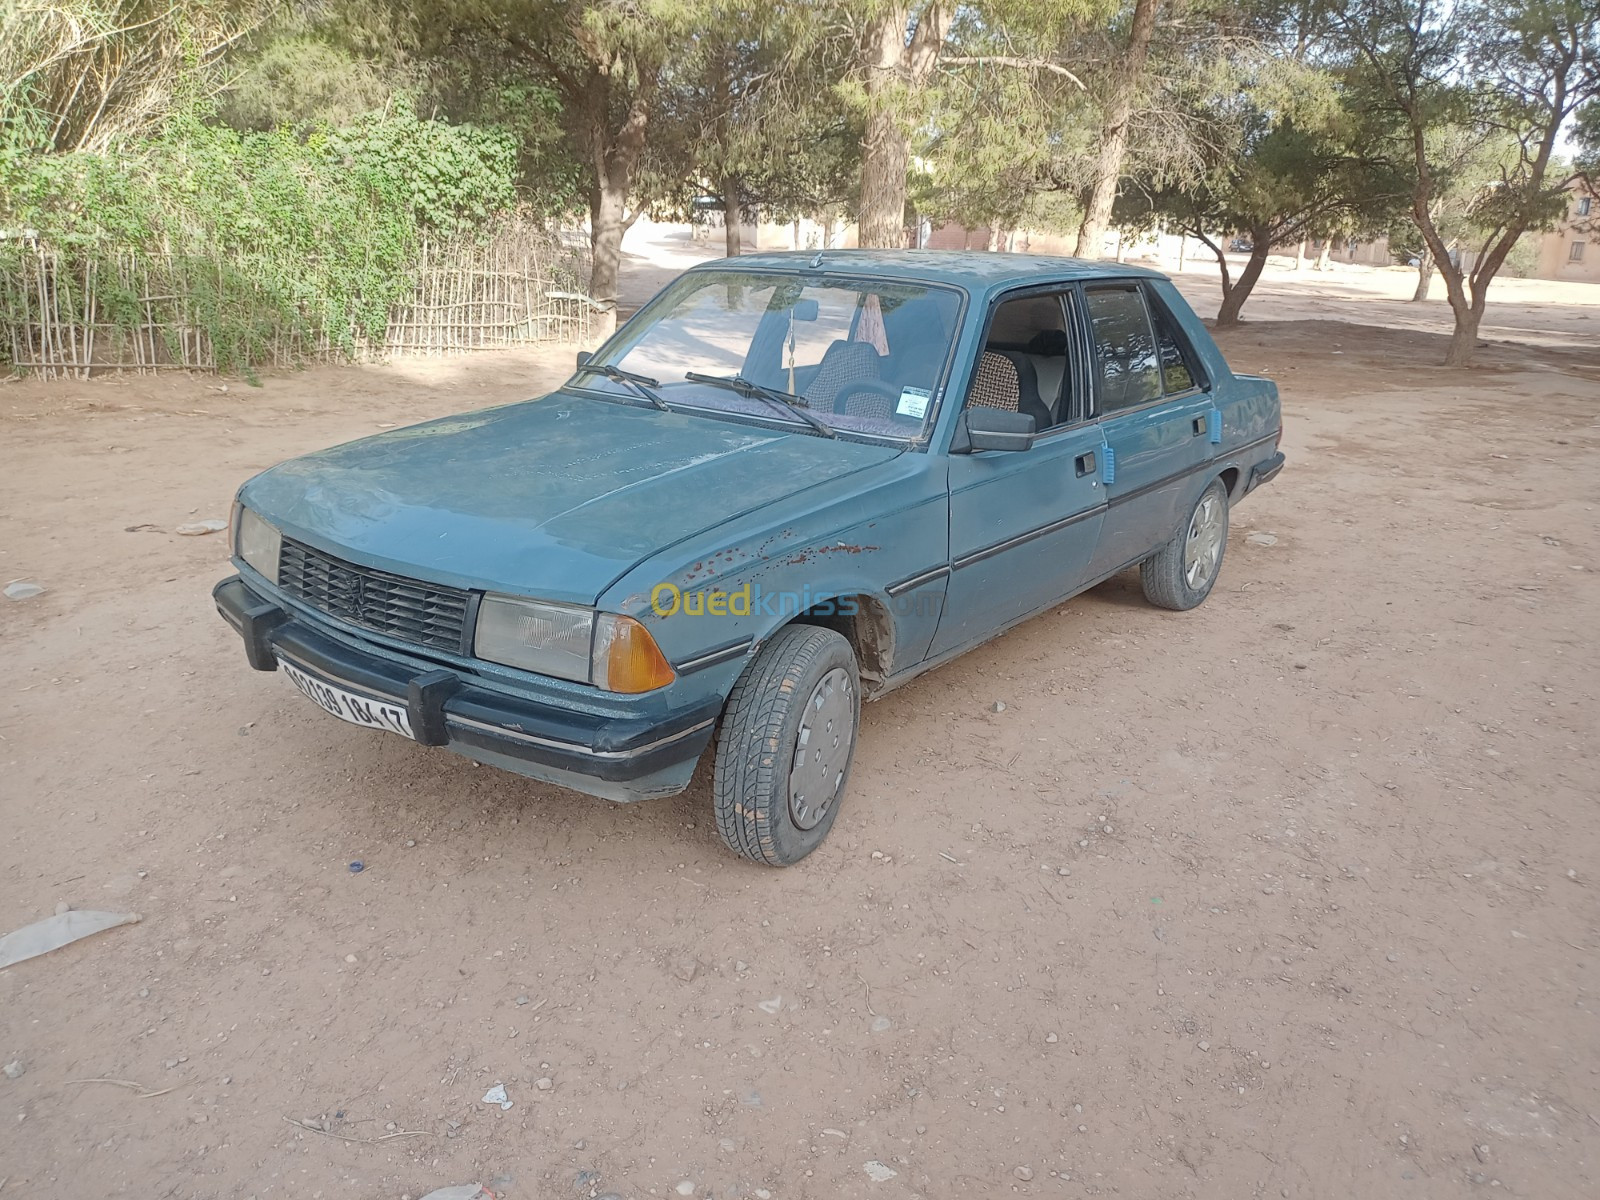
(1202, 548)
(822, 749)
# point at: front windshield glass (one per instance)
(862, 355)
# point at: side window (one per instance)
(1177, 372)
(1125, 348)
(1028, 341)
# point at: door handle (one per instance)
(1085, 464)
(1199, 426)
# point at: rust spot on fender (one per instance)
(814, 552)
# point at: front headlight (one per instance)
(258, 544)
(549, 639)
(612, 652)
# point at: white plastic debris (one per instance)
(52, 933)
(461, 1191)
(877, 1172)
(497, 1095)
(771, 1006)
(22, 589)
(201, 528)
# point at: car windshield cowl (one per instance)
(842, 355)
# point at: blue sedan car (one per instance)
(789, 484)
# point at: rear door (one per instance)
(1023, 524)
(1155, 417)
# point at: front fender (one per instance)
(730, 590)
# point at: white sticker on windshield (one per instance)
(913, 402)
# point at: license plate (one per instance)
(348, 706)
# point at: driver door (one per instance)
(1023, 524)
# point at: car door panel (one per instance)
(1023, 527)
(1156, 450)
(1157, 443)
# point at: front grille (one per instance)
(407, 609)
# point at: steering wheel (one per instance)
(870, 387)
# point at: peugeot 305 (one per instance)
(789, 484)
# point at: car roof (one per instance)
(974, 270)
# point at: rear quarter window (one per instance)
(1126, 363)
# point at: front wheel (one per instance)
(1180, 575)
(784, 750)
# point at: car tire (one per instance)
(1182, 573)
(774, 802)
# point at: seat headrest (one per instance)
(1048, 342)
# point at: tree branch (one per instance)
(1007, 60)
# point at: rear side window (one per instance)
(1177, 372)
(1125, 347)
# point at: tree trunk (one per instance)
(614, 155)
(1235, 296)
(997, 239)
(1300, 255)
(885, 153)
(1464, 340)
(1468, 299)
(1102, 191)
(883, 183)
(607, 223)
(730, 218)
(1322, 255)
(1424, 277)
(891, 63)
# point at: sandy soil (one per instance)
(1290, 896)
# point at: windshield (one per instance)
(860, 355)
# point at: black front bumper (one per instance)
(447, 708)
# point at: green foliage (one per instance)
(94, 72)
(312, 233)
(749, 113)
(1586, 139)
(1439, 82)
(323, 62)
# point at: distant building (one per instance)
(1571, 251)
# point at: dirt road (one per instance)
(1294, 895)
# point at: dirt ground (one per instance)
(1294, 895)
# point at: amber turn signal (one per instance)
(626, 657)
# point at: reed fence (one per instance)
(71, 311)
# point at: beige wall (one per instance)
(769, 235)
(1576, 228)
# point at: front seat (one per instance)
(842, 363)
(1006, 379)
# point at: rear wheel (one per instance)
(1181, 574)
(784, 750)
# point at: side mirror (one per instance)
(805, 310)
(984, 428)
(585, 357)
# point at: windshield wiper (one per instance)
(641, 385)
(759, 391)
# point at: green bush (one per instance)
(307, 236)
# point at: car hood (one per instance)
(555, 497)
